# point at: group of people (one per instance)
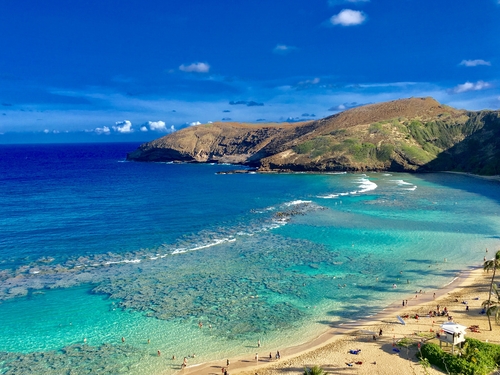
(439, 312)
(278, 356)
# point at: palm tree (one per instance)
(492, 264)
(316, 370)
(493, 307)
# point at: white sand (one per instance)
(331, 349)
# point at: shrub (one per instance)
(478, 358)
(384, 152)
(416, 155)
(315, 147)
(304, 148)
(375, 128)
(338, 132)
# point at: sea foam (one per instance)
(364, 186)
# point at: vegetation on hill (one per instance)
(416, 134)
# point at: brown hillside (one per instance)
(401, 135)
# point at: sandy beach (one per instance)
(331, 349)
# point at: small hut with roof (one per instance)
(451, 333)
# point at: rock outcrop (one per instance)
(416, 134)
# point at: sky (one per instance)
(115, 70)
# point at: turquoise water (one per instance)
(94, 249)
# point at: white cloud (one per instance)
(198, 67)
(194, 123)
(314, 81)
(348, 17)
(123, 127)
(157, 126)
(470, 86)
(307, 84)
(474, 62)
(143, 128)
(46, 131)
(283, 49)
(103, 130)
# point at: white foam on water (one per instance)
(401, 182)
(296, 202)
(122, 261)
(365, 185)
(329, 196)
(204, 246)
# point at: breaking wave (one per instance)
(364, 186)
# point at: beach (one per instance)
(284, 259)
(332, 349)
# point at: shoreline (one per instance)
(343, 332)
(488, 178)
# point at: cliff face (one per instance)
(416, 134)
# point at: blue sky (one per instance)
(106, 70)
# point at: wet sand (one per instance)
(330, 350)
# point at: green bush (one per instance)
(375, 128)
(416, 155)
(384, 152)
(304, 148)
(315, 147)
(478, 358)
(338, 132)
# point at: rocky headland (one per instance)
(406, 135)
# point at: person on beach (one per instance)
(159, 353)
(380, 332)
(200, 324)
(278, 355)
(223, 369)
(257, 357)
(227, 363)
(185, 362)
(173, 358)
(123, 339)
(258, 344)
(403, 303)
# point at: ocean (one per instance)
(108, 266)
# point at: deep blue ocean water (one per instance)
(94, 248)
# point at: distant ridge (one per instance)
(413, 135)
